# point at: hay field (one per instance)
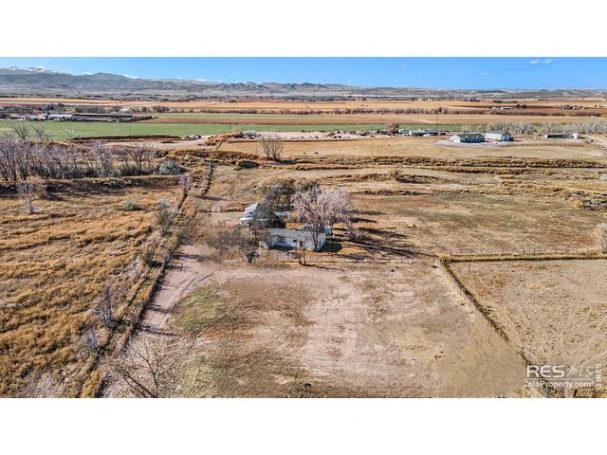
(55, 265)
(307, 105)
(422, 147)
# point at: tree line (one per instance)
(26, 152)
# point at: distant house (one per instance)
(467, 137)
(300, 239)
(59, 116)
(557, 136)
(497, 136)
(422, 132)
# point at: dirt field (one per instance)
(553, 311)
(393, 330)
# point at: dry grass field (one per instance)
(423, 147)
(55, 265)
(552, 311)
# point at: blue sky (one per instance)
(435, 72)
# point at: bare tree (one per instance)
(272, 147)
(601, 236)
(165, 217)
(15, 157)
(226, 239)
(142, 158)
(40, 133)
(20, 130)
(27, 191)
(185, 182)
(319, 209)
(310, 207)
(102, 159)
(88, 339)
(151, 369)
(339, 207)
(105, 307)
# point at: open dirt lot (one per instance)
(390, 330)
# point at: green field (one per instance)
(64, 130)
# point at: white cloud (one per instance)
(484, 74)
(546, 61)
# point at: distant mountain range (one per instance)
(38, 81)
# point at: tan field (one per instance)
(550, 310)
(56, 264)
(527, 148)
(277, 104)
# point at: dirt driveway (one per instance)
(185, 273)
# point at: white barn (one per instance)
(295, 238)
(467, 137)
(497, 136)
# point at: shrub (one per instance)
(169, 168)
(131, 206)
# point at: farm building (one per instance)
(250, 134)
(497, 136)
(253, 212)
(422, 132)
(59, 116)
(557, 136)
(295, 238)
(467, 137)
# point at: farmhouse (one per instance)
(295, 238)
(467, 137)
(497, 136)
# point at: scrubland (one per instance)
(56, 264)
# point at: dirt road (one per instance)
(184, 274)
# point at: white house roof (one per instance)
(298, 234)
(250, 210)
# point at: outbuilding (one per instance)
(497, 136)
(467, 137)
(254, 212)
